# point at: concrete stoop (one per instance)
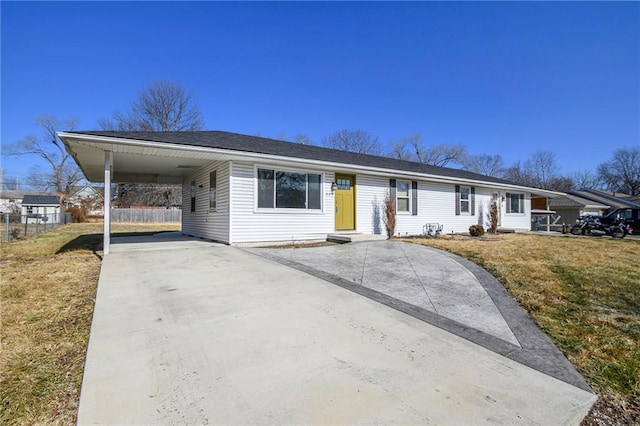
(351, 237)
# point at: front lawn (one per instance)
(584, 292)
(47, 294)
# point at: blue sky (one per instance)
(506, 78)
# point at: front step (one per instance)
(353, 237)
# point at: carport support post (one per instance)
(108, 161)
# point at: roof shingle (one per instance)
(255, 144)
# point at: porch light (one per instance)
(334, 186)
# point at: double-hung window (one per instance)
(402, 196)
(289, 190)
(212, 191)
(465, 200)
(515, 203)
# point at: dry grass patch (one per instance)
(47, 295)
(584, 293)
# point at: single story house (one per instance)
(40, 209)
(11, 201)
(247, 189)
(614, 200)
(87, 196)
(570, 207)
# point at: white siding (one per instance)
(212, 225)
(371, 192)
(518, 221)
(436, 204)
(250, 225)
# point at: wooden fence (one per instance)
(145, 215)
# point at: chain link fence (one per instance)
(16, 226)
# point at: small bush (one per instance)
(493, 216)
(14, 233)
(389, 217)
(77, 214)
(476, 230)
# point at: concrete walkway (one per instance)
(191, 332)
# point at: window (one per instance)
(29, 210)
(289, 190)
(465, 199)
(212, 190)
(402, 196)
(515, 203)
(193, 196)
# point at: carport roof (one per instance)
(226, 146)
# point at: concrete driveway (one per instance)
(191, 332)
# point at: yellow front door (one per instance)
(345, 202)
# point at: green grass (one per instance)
(47, 294)
(584, 293)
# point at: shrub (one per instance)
(493, 216)
(389, 218)
(77, 214)
(476, 230)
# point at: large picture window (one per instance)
(289, 190)
(402, 196)
(515, 203)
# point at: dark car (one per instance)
(629, 216)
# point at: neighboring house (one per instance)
(11, 201)
(40, 208)
(614, 200)
(570, 207)
(244, 189)
(89, 197)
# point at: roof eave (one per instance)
(279, 158)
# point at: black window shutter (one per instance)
(457, 200)
(414, 198)
(473, 201)
(392, 192)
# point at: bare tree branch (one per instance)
(358, 141)
(622, 172)
(61, 173)
(485, 164)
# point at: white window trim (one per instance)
(508, 204)
(276, 210)
(408, 197)
(468, 200)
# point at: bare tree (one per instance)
(60, 173)
(541, 168)
(442, 155)
(358, 141)
(485, 164)
(622, 172)
(303, 139)
(516, 174)
(406, 147)
(585, 180)
(413, 148)
(161, 106)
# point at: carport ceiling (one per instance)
(139, 164)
